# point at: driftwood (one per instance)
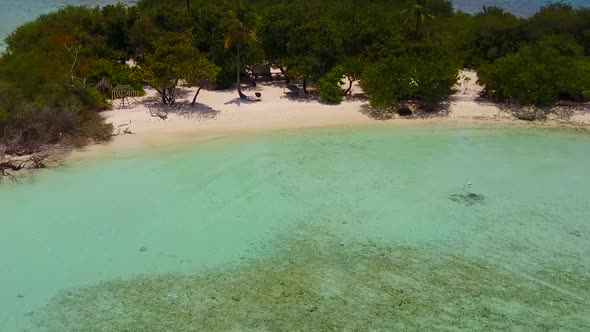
(159, 113)
(126, 131)
(11, 165)
(16, 156)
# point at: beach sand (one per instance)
(221, 113)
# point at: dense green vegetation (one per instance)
(402, 51)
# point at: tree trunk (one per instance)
(188, 7)
(305, 85)
(418, 25)
(238, 45)
(172, 96)
(238, 66)
(349, 87)
(354, 4)
(196, 95)
(164, 100)
(239, 72)
(353, 38)
(287, 79)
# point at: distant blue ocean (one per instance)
(15, 12)
(518, 7)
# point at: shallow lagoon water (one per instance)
(343, 228)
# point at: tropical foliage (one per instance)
(329, 86)
(401, 51)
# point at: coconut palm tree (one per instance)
(418, 11)
(239, 36)
(353, 36)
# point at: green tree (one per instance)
(352, 68)
(329, 86)
(537, 75)
(496, 33)
(423, 73)
(419, 13)
(314, 49)
(240, 35)
(555, 18)
(275, 34)
(201, 73)
(115, 73)
(171, 61)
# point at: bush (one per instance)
(226, 78)
(423, 74)
(116, 74)
(537, 75)
(496, 33)
(329, 86)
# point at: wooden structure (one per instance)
(104, 85)
(261, 70)
(123, 95)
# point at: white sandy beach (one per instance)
(222, 113)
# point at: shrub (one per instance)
(329, 86)
(422, 74)
(116, 74)
(496, 33)
(537, 75)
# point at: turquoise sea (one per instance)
(16, 12)
(518, 7)
(363, 228)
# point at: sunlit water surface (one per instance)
(350, 228)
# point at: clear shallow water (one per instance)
(331, 228)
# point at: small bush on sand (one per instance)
(329, 86)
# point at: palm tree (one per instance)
(354, 6)
(238, 38)
(353, 41)
(420, 13)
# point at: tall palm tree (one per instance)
(418, 11)
(239, 36)
(353, 22)
(353, 43)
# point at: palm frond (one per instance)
(229, 41)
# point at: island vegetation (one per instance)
(404, 53)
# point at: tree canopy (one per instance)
(401, 50)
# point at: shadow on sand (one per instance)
(181, 109)
(239, 101)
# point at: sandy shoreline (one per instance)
(220, 114)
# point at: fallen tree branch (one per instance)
(159, 113)
(11, 165)
(16, 157)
